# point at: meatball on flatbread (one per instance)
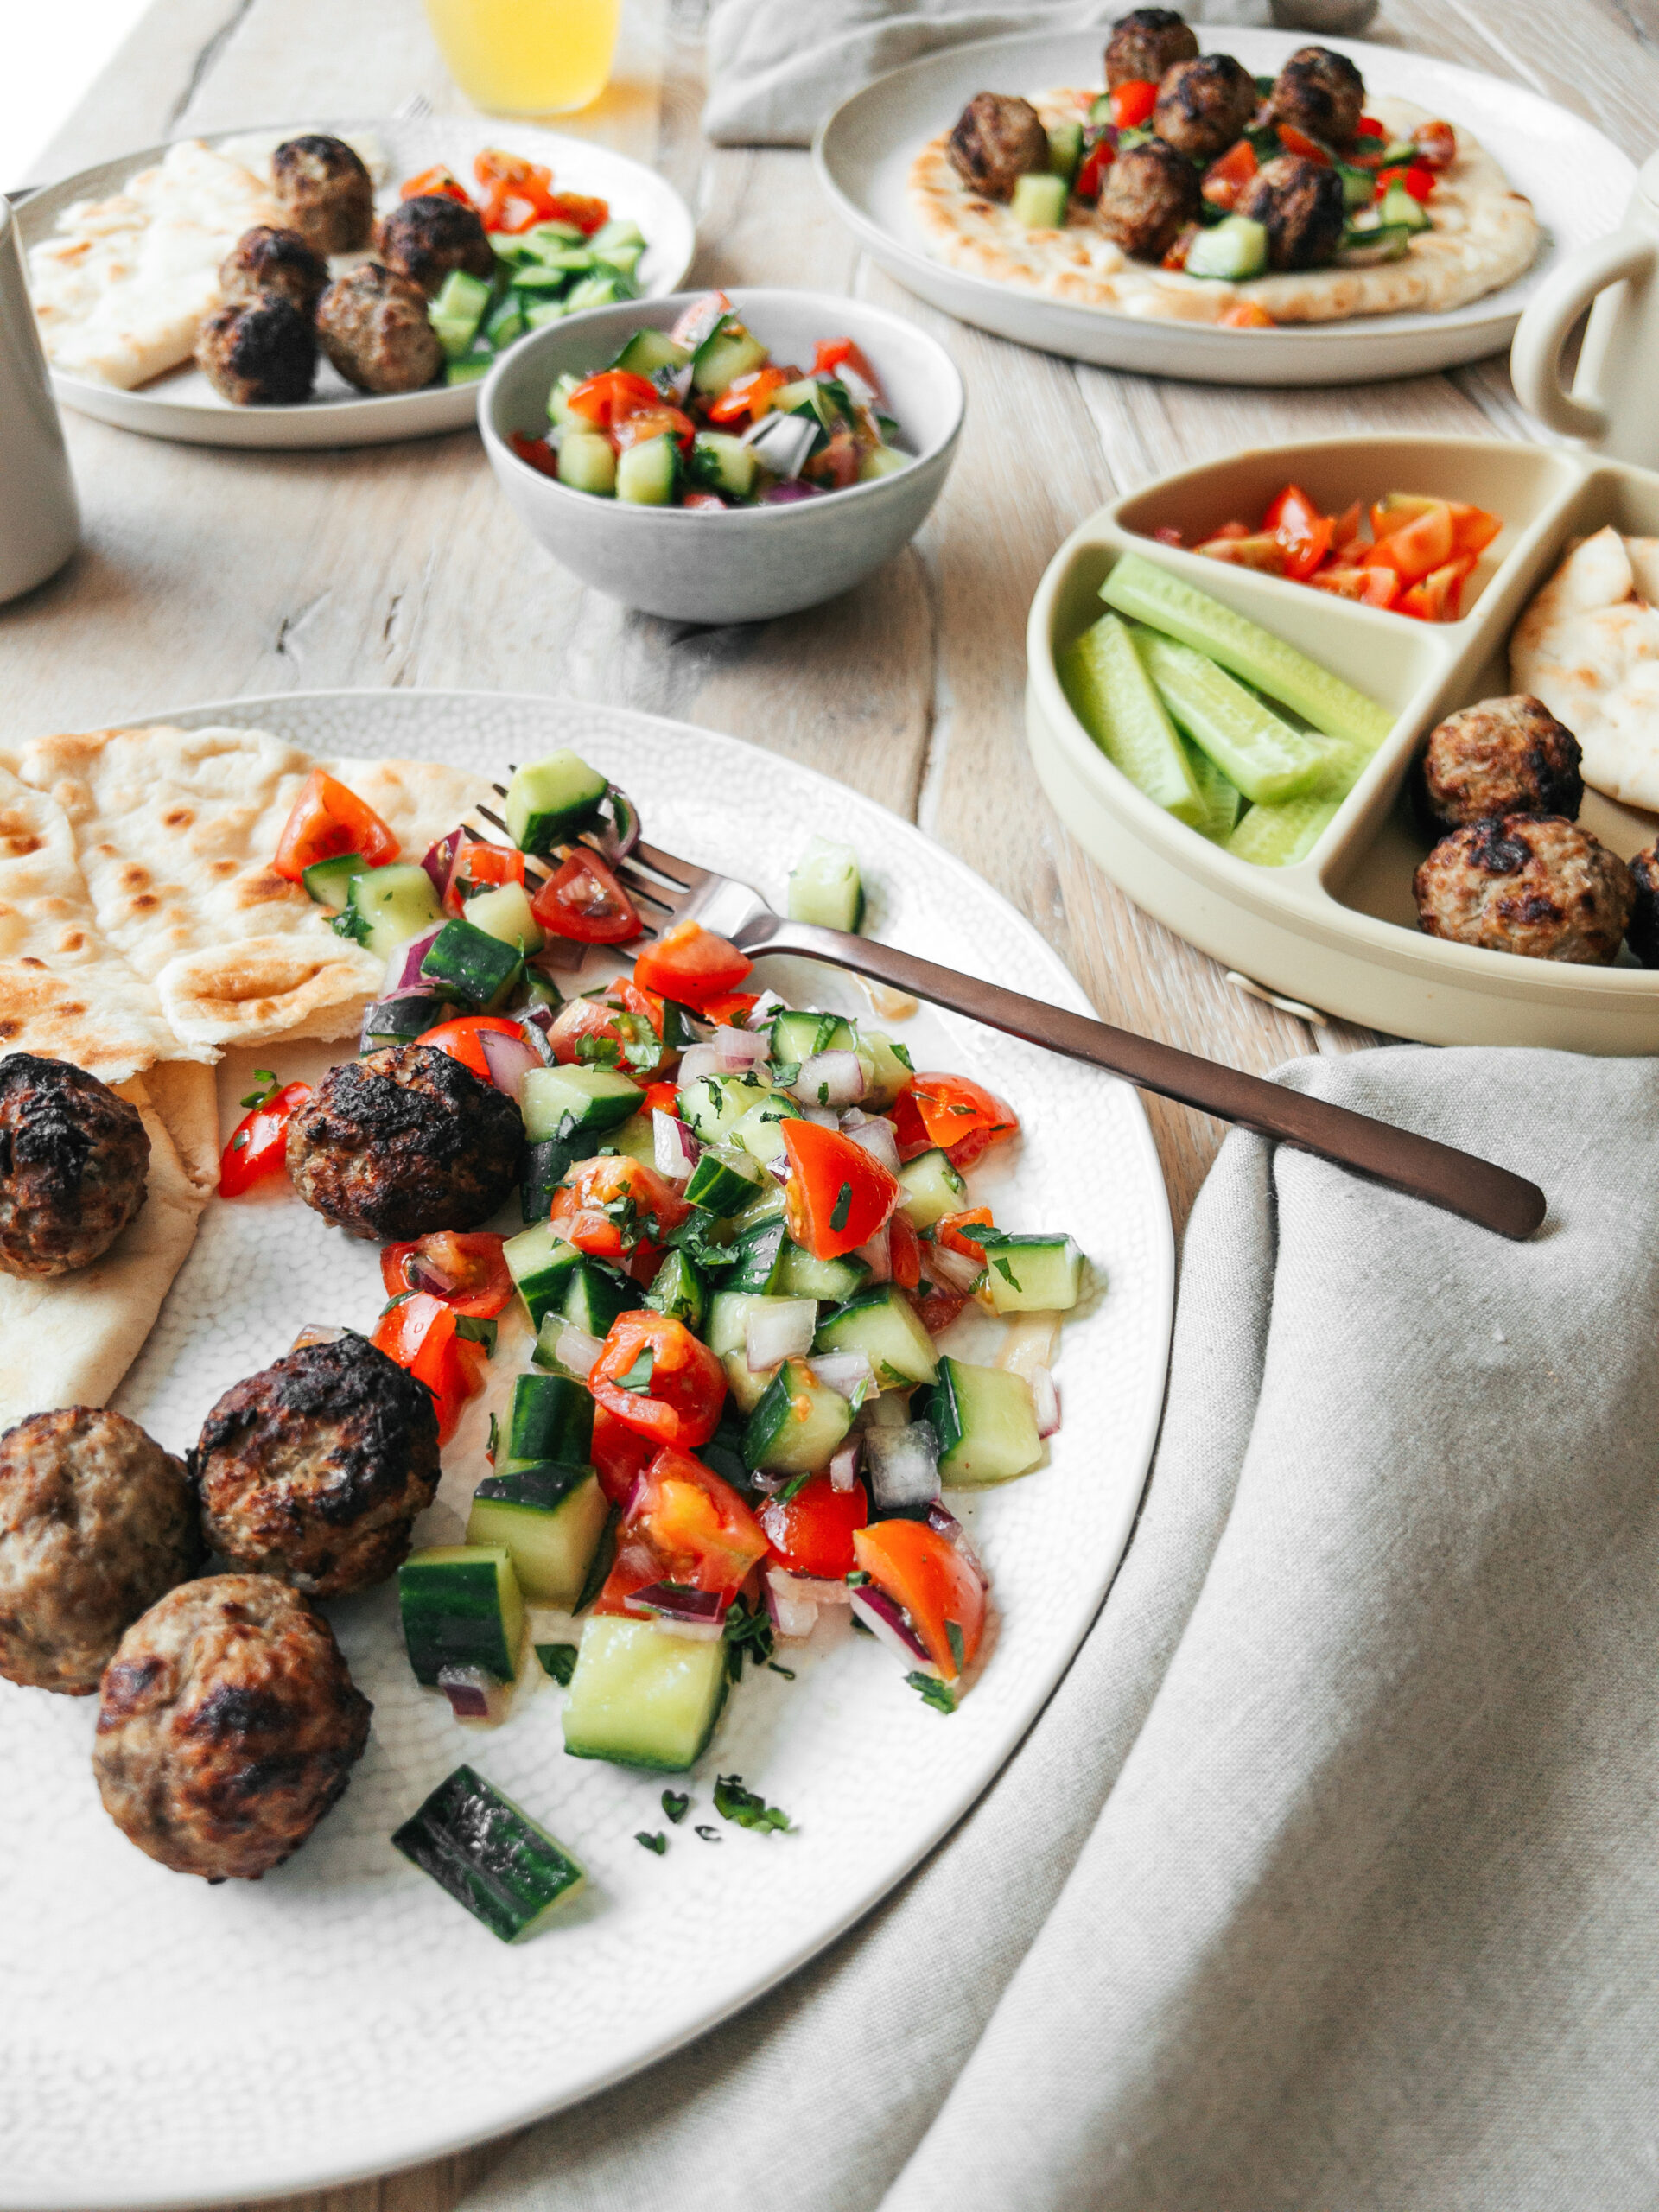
(1203, 104)
(1319, 93)
(996, 142)
(325, 191)
(228, 1724)
(258, 352)
(1147, 43)
(1150, 195)
(373, 327)
(1299, 203)
(74, 1162)
(96, 1523)
(427, 237)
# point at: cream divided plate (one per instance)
(1577, 183)
(183, 404)
(1339, 929)
(348, 2014)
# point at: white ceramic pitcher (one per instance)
(1614, 401)
(40, 523)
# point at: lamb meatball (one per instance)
(1531, 884)
(1203, 106)
(266, 260)
(425, 238)
(374, 328)
(314, 1469)
(325, 191)
(96, 1523)
(227, 1726)
(1319, 92)
(404, 1141)
(1641, 931)
(75, 1163)
(1504, 756)
(998, 140)
(1300, 203)
(259, 353)
(1145, 43)
(1150, 195)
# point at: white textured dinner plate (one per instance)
(164, 2042)
(182, 404)
(1577, 183)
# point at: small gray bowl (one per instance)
(749, 563)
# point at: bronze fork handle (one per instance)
(1457, 1181)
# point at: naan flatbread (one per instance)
(1588, 647)
(1484, 235)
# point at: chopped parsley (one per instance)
(841, 1208)
(748, 1635)
(494, 1444)
(1006, 1272)
(933, 1692)
(900, 1054)
(558, 1660)
(658, 1843)
(773, 1668)
(746, 1807)
(638, 1378)
(709, 1834)
(597, 1052)
(350, 924)
(676, 1803)
(478, 1331)
(785, 1074)
(265, 1085)
(953, 1636)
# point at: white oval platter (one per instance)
(386, 2026)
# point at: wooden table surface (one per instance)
(207, 574)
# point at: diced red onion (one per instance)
(794, 1614)
(902, 1467)
(509, 1059)
(843, 1468)
(842, 1371)
(576, 1351)
(809, 1585)
(698, 1061)
(765, 1007)
(1030, 1344)
(786, 493)
(877, 1256)
(474, 1695)
(824, 1116)
(424, 1273)
(559, 955)
(619, 829)
(861, 393)
(675, 1148)
(404, 978)
(736, 1051)
(1046, 1396)
(439, 862)
(780, 1329)
(890, 1410)
(829, 1079)
(700, 1614)
(778, 1168)
(538, 1023)
(954, 1269)
(886, 1621)
(944, 1523)
(874, 1135)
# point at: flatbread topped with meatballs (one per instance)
(1201, 193)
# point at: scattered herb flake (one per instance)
(495, 1440)
(558, 1660)
(953, 1636)
(823, 1094)
(900, 1054)
(1006, 1272)
(746, 1807)
(773, 1668)
(785, 1074)
(676, 1803)
(747, 1635)
(856, 1578)
(658, 1843)
(597, 1052)
(843, 1207)
(638, 1378)
(266, 1085)
(933, 1692)
(709, 1834)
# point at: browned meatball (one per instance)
(1150, 195)
(1321, 94)
(325, 191)
(374, 328)
(227, 1726)
(404, 1141)
(425, 238)
(1145, 43)
(74, 1162)
(266, 260)
(259, 353)
(1531, 884)
(1641, 931)
(1504, 756)
(315, 1468)
(1300, 203)
(998, 139)
(1203, 106)
(95, 1523)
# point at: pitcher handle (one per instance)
(1548, 319)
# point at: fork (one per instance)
(676, 890)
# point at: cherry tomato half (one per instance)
(951, 1111)
(420, 1334)
(658, 1379)
(472, 1262)
(923, 1572)
(585, 901)
(259, 1143)
(1133, 103)
(609, 397)
(811, 1533)
(610, 1206)
(620, 1455)
(326, 822)
(460, 1039)
(690, 965)
(838, 1196)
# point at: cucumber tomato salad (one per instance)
(702, 416)
(745, 1226)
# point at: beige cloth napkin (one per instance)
(1329, 1878)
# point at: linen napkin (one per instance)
(776, 67)
(1328, 1877)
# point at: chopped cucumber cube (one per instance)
(933, 1188)
(885, 1327)
(756, 1255)
(549, 1417)
(623, 230)
(800, 1275)
(586, 463)
(549, 801)
(602, 289)
(1031, 1274)
(1253, 748)
(797, 1426)
(458, 310)
(400, 1022)
(648, 474)
(642, 1696)
(798, 1037)
(504, 914)
(505, 319)
(547, 1519)
(679, 1290)
(461, 1607)
(986, 1424)
(557, 409)
(760, 1131)
(1236, 248)
(471, 370)
(388, 905)
(469, 963)
(541, 1264)
(1040, 202)
(546, 1163)
(728, 1319)
(1115, 699)
(723, 1185)
(633, 1139)
(722, 463)
(1064, 149)
(825, 887)
(1398, 207)
(490, 1856)
(715, 1104)
(329, 882)
(882, 461)
(648, 351)
(728, 351)
(575, 1105)
(887, 1068)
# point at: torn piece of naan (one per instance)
(1588, 647)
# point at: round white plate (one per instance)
(348, 2015)
(1577, 183)
(183, 404)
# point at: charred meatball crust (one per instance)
(374, 328)
(325, 191)
(998, 139)
(1150, 195)
(228, 1725)
(404, 1141)
(96, 1523)
(1203, 106)
(427, 236)
(1299, 203)
(1504, 756)
(1641, 931)
(1320, 94)
(1531, 884)
(314, 1469)
(259, 353)
(268, 260)
(1147, 43)
(74, 1165)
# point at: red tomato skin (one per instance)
(688, 1385)
(951, 1110)
(611, 395)
(1133, 103)
(264, 1147)
(728, 1552)
(690, 965)
(459, 1039)
(905, 1252)
(837, 1196)
(920, 1570)
(578, 1208)
(620, 1454)
(1297, 142)
(731, 1010)
(327, 821)
(811, 1533)
(420, 1334)
(579, 1018)
(535, 452)
(584, 902)
(475, 1255)
(939, 1309)
(662, 1098)
(1092, 175)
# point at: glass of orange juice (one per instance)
(527, 57)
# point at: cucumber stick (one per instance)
(1115, 700)
(1278, 836)
(1253, 746)
(1222, 800)
(1139, 587)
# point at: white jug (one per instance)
(1614, 401)
(39, 522)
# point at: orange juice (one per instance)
(527, 57)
